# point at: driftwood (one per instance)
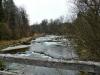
(15, 48)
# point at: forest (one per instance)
(13, 21)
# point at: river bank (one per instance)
(22, 41)
(12, 43)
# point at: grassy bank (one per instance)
(22, 41)
(88, 55)
(7, 43)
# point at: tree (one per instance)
(44, 27)
(15, 20)
(87, 26)
(5, 32)
(10, 13)
(25, 29)
(1, 11)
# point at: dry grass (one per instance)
(6, 43)
(24, 40)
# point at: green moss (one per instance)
(2, 66)
(83, 73)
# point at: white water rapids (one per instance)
(48, 46)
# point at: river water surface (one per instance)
(48, 47)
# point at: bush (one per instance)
(5, 32)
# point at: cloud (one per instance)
(44, 9)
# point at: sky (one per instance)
(38, 10)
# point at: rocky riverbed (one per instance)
(47, 47)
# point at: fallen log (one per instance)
(15, 48)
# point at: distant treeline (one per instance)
(13, 21)
(52, 27)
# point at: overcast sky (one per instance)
(38, 10)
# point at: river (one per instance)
(49, 46)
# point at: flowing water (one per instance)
(47, 47)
